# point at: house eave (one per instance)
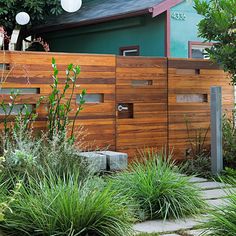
(58, 27)
(154, 11)
(163, 7)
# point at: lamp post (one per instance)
(71, 5)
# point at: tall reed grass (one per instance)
(158, 189)
(57, 206)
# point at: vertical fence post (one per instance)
(216, 130)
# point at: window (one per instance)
(129, 51)
(198, 50)
(92, 98)
(17, 108)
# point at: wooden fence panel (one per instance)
(33, 70)
(189, 83)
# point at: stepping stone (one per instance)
(160, 226)
(170, 235)
(211, 185)
(197, 180)
(97, 161)
(217, 202)
(215, 193)
(196, 232)
(116, 160)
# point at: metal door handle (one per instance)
(122, 108)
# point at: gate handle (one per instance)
(122, 108)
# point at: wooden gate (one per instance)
(141, 103)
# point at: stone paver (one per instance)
(196, 232)
(160, 226)
(214, 193)
(197, 180)
(217, 202)
(212, 185)
(170, 235)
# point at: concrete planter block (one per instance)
(116, 160)
(97, 160)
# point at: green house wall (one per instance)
(146, 32)
(183, 28)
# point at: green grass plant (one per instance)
(158, 189)
(57, 206)
(222, 221)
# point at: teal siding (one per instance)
(183, 31)
(145, 31)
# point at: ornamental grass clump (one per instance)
(158, 189)
(222, 221)
(68, 207)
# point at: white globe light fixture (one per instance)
(71, 5)
(22, 18)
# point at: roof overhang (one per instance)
(163, 6)
(155, 11)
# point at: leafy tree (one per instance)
(219, 25)
(37, 9)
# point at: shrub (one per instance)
(57, 206)
(29, 157)
(229, 141)
(59, 105)
(62, 157)
(199, 166)
(158, 189)
(197, 160)
(222, 221)
(22, 154)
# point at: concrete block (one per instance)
(116, 160)
(97, 160)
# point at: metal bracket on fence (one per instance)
(216, 131)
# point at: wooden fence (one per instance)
(133, 102)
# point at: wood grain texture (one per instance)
(33, 70)
(148, 127)
(197, 114)
(147, 86)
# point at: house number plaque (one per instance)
(178, 15)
